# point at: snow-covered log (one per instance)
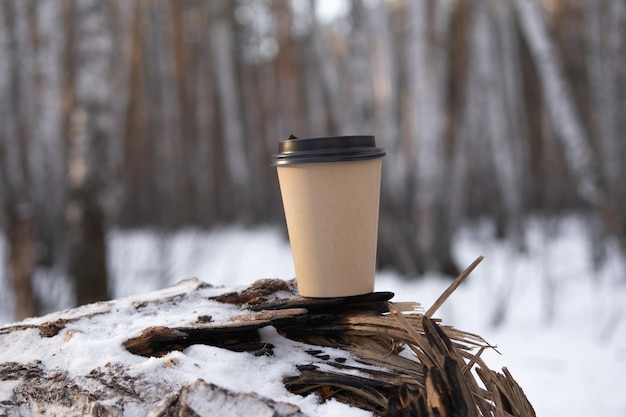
(197, 350)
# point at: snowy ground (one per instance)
(563, 333)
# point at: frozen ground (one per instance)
(563, 325)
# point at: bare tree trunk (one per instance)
(397, 243)
(258, 165)
(21, 235)
(134, 176)
(426, 113)
(224, 58)
(466, 153)
(164, 109)
(34, 177)
(607, 83)
(418, 114)
(201, 86)
(170, 135)
(617, 62)
(604, 103)
(488, 62)
(385, 96)
(317, 120)
(16, 112)
(570, 132)
(560, 104)
(330, 79)
(287, 97)
(88, 172)
(513, 86)
(6, 122)
(442, 36)
(315, 117)
(602, 92)
(360, 68)
(121, 28)
(47, 152)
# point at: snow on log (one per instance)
(196, 350)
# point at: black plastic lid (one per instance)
(326, 149)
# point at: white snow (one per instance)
(569, 359)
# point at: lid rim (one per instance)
(282, 161)
(326, 149)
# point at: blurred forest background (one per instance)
(164, 114)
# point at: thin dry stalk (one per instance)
(455, 284)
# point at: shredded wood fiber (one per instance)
(408, 364)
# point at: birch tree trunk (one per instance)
(202, 87)
(570, 132)
(603, 102)
(47, 152)
(617, 62)
(228, 100)
(602, 91)
(360, 69)
(559, 102)
(187, 145)
(164, 125)
(467, 149)
(488, 62)
(397, 243)
(442, 34)
(330, 79)
(513, 85)
(607, 72)
(285, 83)
(425, 112)
(90, 127)
(314, 96)
(253, 117)
(121, 21)
(385, 97)
(366, 107)
(16, 113)
(317, 119)
(7, 127)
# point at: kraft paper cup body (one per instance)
(331, 209)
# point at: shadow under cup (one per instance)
(330, 188)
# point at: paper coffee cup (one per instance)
(330, 188)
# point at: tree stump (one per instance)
(166, 353)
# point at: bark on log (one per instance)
(146, 351)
